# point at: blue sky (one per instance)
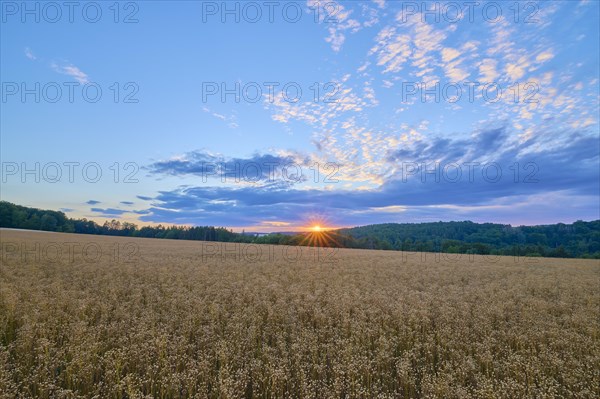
(392, 111)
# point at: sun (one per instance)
(318, 234)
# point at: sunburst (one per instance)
(319, 236)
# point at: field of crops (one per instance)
(108, 317)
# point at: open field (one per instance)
(108, 317)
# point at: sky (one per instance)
(274, 116)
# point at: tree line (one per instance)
(579, 240)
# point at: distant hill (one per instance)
(580, 239)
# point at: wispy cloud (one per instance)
(338, 21)
(29, 54)
(230, 119)
(72, 71)
(108, 212)
(380, 3)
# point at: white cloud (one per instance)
(515, 71)
(487, 70)
(412, 42)
(336, 39)
(448, 54)
(363, 67)
(72, 71)
(337, 18)
(370, 95)
(29, 54)
(232, 122)
(545, 56)
(392, 49)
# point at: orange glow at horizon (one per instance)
(319, 236)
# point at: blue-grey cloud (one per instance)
(107, 212)
(92, 202)
(126, 202)
(260, 168)
(498, 174)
